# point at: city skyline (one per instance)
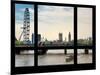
(50, 24)
(53, 20)
(59, 38)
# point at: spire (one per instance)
(69, 37)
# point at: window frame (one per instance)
(52, 68)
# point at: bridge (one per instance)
(44, 48)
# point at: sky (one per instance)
(53, 20)
(84, 22)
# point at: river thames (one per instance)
(53, 57)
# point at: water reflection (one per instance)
(53, 57)
(84, 58)
(25, 58)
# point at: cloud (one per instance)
(20, 13)
(53, 14)
(53, 20)
(31, 10)
(84, 22)
(18, 30)
(43, 8)
(85, 15)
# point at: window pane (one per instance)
(55, 28)
(84, 56)
(56, 57)
(25, 58)
(24, 25)
(24, 28)
(85, 26)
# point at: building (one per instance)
(60, 37)
(69, 37)
(39, 37)
(33, 38)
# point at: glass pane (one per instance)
(55, 29)
(56, 57)
(25, 58)
(84, 56)
(24, 25)
(24, 28)
(55, 26)
(85, 26)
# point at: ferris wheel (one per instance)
(26, 27)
